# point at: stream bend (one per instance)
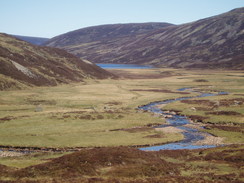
(191, 135)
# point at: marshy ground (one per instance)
(101, 115)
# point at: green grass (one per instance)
(29, 159)
(63, 122)
(69, 131)
(103, 113)
(86, 114)
(229, 137)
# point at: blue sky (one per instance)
(48, 18)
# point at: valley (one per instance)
(123, 103)
(100, 119)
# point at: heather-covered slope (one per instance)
(128, 165)
(215, 42)
(102, 43)
(25, 64)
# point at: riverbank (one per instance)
(90, 112)
(103, 113)
(193, 138)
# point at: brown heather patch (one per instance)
(229, 128)
(129, 165)
(155, 136)
(134, 130)
(200, 102)
(7, 118)
(229, 102)
(152, 124)
(227, 155)
(4, 170)
(73, 112)
(238, 94)
(114, 103)
(158, 90)
(198, 118)
(126, 162)
(166, 179)
(177, 154)
(127, 74)
(201, 80)
(227, 113)
(88, 116)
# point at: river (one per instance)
(191, 135)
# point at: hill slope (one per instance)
(96, 43)
(215, 42)
(25, 64)
(32, 40)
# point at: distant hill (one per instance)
(23, 64)
(215, 42)
(32, 40)
(97, 41)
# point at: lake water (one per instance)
(124, 66)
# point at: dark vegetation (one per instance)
(224, 113)
(221, 103)
(228, 128)
(160, 90)
(130, 75)
(88, 116)
(212, 108)
(205, 43)
(104, 33)
(201, 80)
(26, 64)
(123, 164)
(215, 42)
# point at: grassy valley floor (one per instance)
(104, 114)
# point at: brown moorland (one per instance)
(214, 42)
(24, 64)
(123, 164)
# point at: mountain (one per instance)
(215, 42)
(32, 40)
(23, 64)
(95, 42)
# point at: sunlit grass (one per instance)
(29, 159)
(57, 116)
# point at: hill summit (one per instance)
(101, 44)
(215, 42)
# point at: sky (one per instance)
(49, 18)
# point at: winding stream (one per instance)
(191, 135)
